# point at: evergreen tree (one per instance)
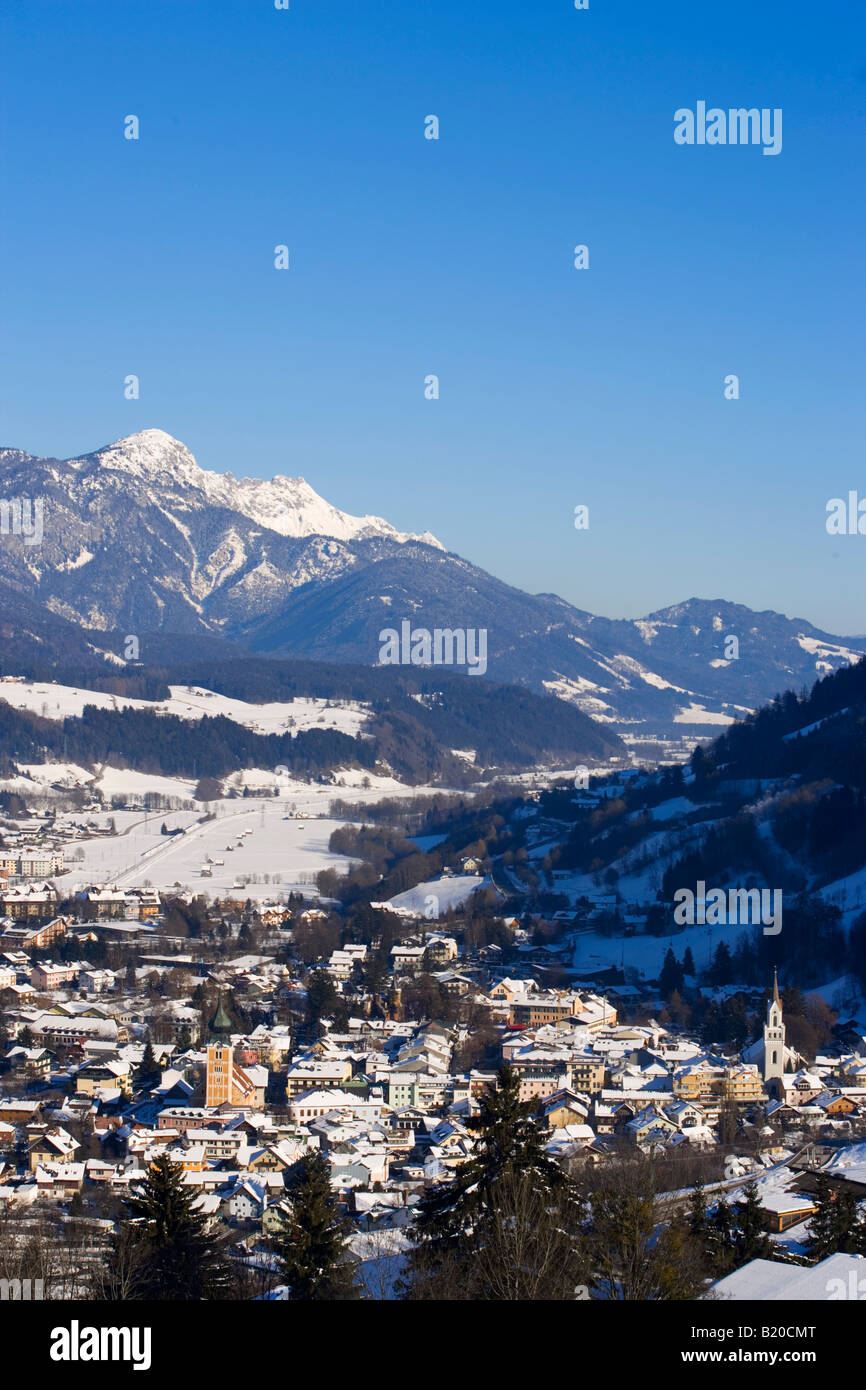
(720, 1239)
(698, 1219)
(508, 1197)
(311, 1246)
(148, 1070)
(322, 1001)
(177, 1258)
(671, 977)
(834, 1225)
(130, 979)
(689, 962)
(752, 1241)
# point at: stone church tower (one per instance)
(774, 1038)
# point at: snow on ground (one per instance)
(699, 714)
(269, 845)
(830, 653)
(645, 954)
(810, 728)
(849, 1163)
(382, 1257)
(848, 894)
(669, 810)
(124, 781)
(47, 774)
(54, 701)
(448, 891)
(428, 842)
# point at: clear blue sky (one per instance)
(411, 256)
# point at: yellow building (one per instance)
(744, 1084)
(226, 1083)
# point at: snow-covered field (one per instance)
(440, 894)
(646, 953)
(699, 714)
(268, 845)
(44, 778)
(53, 701)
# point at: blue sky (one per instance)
(454, 257)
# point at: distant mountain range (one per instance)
(137, 539)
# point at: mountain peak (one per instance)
(289, 506)
(150, 453)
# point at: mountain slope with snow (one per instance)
(137, 540)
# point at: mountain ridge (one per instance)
(140, 540)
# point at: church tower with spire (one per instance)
(774, 1039)
(225, 1083)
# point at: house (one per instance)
(405, 960)
(314, 1073)
(246, 1202)
(33, 900)
(19, 1112)
(96, 981)
(36, 862)
(53, 1146)
(650, 1125)
(310, 1105)
(40, 938)
(34, 1062)
(96, 1078)
(780, 1210)
(564, 1107)
(141, 903)
(59, 1179)
(441, 948)
(100, 904)
(190, 1157)
(506, 990)
(48, 975)
(275, 1216)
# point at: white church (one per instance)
(769, 1052)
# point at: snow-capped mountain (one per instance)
(136, 538)
(288, 506)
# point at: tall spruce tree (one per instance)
(148, 1070)
(752, 1241)
(177, 1259)
(311, 1245)
(507, 1225)
(698, 1219)
(671, 975)
(720, 1239)
(833, 1226)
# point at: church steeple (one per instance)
(220, 1026)
(774, 1037)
